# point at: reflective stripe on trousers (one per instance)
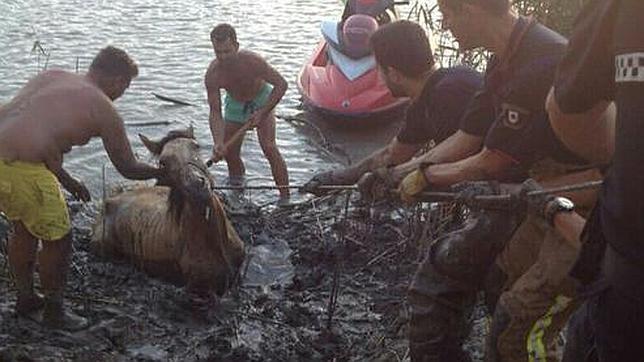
(537, 350)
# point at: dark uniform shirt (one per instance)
(515, 92)
(605, 62)
(436, 114)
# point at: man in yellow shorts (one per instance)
(53, 112)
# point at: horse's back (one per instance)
(136, 225)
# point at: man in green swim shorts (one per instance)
(253, 88)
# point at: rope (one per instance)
(290, 187)
(430, 195)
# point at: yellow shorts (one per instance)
(30, 193)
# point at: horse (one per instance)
(176, 230)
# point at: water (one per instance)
(170, 42)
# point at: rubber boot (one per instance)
(28, 301)
(54, 264)
(55, 316)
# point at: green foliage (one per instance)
(559, 15)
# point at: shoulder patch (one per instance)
(513, 116)
(629, 67)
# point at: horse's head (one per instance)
(210, 256)
(186, 174)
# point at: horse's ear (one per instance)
(154, 147)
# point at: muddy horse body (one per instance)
(179, 232)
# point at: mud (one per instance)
(324, 280)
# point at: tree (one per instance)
(558, 15)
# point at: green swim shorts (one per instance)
(239, 112)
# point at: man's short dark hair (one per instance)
(114, 62)
(495, 7)
(404, 46)
(222, 32)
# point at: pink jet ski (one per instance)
(341, 78)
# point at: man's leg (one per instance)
(607, 327)
(233, 159)
(580, 343)
(444, 287)
(266, 136)
(537, 306)
(22, 260)
(440, 308)
(54, 264)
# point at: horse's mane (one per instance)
(173, 135)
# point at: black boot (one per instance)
(55, 316)
(28, 302)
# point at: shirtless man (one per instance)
(253, 89)
(53, 112)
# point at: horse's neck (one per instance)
(206, 229)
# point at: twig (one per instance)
(262, 319)
(147, 124)
(171, 100)
(384, 253)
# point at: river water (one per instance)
(170, 42)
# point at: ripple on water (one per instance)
(170, 41)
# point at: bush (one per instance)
(556, 14)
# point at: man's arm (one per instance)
(570, 225)
(215, 119)
(112, 132)
(273, 77)
(589, 134)
(55, 164)
(458, 146)
(395, 153)
(485, 165)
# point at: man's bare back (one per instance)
(57, 110)
(53, 112)
(241, 75)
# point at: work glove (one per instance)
(376, 185)
(412, 185)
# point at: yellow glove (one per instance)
(412, 185)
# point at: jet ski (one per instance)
(341, 79)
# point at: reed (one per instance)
(558, 15)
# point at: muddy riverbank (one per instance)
(337, 278)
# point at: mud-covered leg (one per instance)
(530, 315)
(22, 259)
(440, 309)
(54, 265)
(444, 288)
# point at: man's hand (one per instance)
(218, 153)
(77, 189)
(468, 191)
(376, 185)
(535, 204)
(313, 185)
(412, 185)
